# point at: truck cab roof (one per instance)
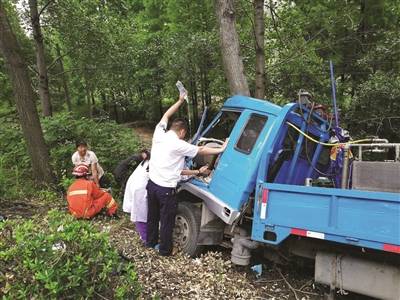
(241, 103)
(244, 102)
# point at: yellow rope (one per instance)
(322, 143)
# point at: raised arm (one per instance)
(173, 109)
(95, 174)
(204, 150)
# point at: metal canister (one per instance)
(308, 181)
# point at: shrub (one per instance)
(375, 109)
(110, 141)
(60, 257)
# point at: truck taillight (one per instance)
(391, 248)
(264, 202)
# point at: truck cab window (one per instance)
(250, 133)
(220, 130)
(223, 126)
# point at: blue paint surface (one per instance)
(361, 218)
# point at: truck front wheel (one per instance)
(187, 228)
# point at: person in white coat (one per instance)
(135, 197)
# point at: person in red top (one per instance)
(85, 198)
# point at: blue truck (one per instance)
(273, 191)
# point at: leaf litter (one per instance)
(210, 276)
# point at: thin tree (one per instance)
(64, 79)
(259, 32)
(43, 88)
(24, 100)
(230, 48)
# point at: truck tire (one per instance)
(187, 228)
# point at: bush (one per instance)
(60, 257)
(110, 141)
(376, 108)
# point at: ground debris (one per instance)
(210, 276)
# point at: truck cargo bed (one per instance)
(360, 218)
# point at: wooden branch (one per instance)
(50, 66)
(33, 70)
(101, 296)
(44, 7)
(288, 284)
(304, 285)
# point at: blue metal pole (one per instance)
(334, 94)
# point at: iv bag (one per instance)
(181, 89)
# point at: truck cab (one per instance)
(273, 189)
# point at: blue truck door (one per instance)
(234, 177)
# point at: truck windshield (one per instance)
(221, 129)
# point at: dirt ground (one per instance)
(145, 134)
(143, 131)
(210, 276)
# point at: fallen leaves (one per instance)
(210, 276)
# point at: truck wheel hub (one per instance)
(181, 230)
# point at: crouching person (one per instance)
(135, 197)
(85, 198)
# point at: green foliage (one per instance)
(380, 97)
(14, 162)
(122, 58)
(60, 257)
(111, 143)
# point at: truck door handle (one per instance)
(353, 240)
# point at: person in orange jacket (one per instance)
(85, 198)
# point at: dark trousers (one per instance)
(162, 206)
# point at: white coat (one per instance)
(135, 197)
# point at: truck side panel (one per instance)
(361, 218)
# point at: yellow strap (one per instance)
(325, 144)
(78, 192)
(85, 212)
(111, 203)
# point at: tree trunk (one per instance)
(116, 112)
(24, 100)
(40, 59)
(259, 30)
(160, 106)
(207, 89)
(203, 93)
(104, 101)
(93, 106)
(88, 93)
(195, 110)
(64, 79)
(230, 48)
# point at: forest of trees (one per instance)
(121, 59)
(100, 70)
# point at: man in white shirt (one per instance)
(167, 162)
(88, 158)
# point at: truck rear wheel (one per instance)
(187, 228)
